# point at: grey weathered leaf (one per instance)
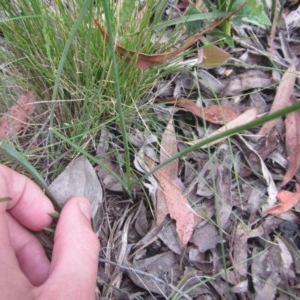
(205, 237)
(158, 273)
(79, 179)
(248, 80)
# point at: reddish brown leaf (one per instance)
(170, 195)
(214, 113)
(287, 200)
(247, 116)
(145, 61)
(282, 98)
(13, 121)
(179, 208)
(292, 143)
(168, 147)
(161, 208)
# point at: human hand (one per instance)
(25, 271)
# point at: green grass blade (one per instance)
(11, 152)
(89, 156)
(191, 18)
(87, 5)
(225, 134)
(119, 105)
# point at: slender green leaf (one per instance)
(227, 133)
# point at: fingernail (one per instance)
(85, 208)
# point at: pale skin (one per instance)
(25, 271)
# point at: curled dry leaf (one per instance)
(292, 143)
(13, 121)
(144, 61)
(258, 167)
(287, 200)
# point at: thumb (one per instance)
(74, 265)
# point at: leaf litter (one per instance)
(221, 222)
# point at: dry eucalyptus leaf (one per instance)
(177, 204)
(168, 236)
(190, 282)
(161, 273)
(292, 143)
(270, 277)
(145, 61)
(79, 179)
(109, 181)
(213, 56)
(251, 79)
(141, 223)
(168, 147)
(287, 200)
(240, 252)
(282, 98)
(205, 237)
(216, 114)
(248, 116)
(13, 121)
(261, 170)
(209, 83)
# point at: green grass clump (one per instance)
(56, 51)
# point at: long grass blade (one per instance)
(119, 105)
(89, 156)
(225, 134)
(11, 152)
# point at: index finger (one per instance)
(28, 205)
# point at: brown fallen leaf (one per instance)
(161, 208)
(287, 200)
(216, 114)
(145, 61)
(282, 97)
(176, 203)
(292, 143)
(213, 56)
(168, 147)
(247, 116)
(12, 122)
